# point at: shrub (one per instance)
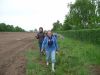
(88, 35)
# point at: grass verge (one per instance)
(74, 58)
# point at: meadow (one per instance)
(74, 58)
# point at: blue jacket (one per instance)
(54, 45)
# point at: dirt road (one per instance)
(12, 47)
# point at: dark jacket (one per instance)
(40, 36)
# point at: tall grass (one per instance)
(74, 58)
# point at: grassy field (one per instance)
(74, 58)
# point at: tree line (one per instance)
(10, 28)
(83, 14)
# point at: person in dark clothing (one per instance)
(40, 36)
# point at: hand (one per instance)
(36, 37)
(56, 52)
(41, 50)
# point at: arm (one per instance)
(37, 36)
(56, 44)
(44, 43)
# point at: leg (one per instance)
(53, 59)
(40, 45)
(40, 50)
(41, 53)
(47, 57)
(53, 56)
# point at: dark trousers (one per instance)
(40, 47)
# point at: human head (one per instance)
(40, 29)
(49, 33)
(45, 32)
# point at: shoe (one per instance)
(53, 70)
(47, 63)
(53, 67)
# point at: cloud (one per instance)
(31, 14)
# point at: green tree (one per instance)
(10, 28)
(57, 26)
(82, 15)
(2, 27)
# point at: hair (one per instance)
(49, 31)
(41, 28)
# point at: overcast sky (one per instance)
(31, 14)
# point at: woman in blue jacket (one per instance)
(50, 45)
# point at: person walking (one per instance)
(50, 45)
(40, 36)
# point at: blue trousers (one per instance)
(50, 54)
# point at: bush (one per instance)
(89, 35)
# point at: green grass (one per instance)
(74, 58)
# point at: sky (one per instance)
(31, 14)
